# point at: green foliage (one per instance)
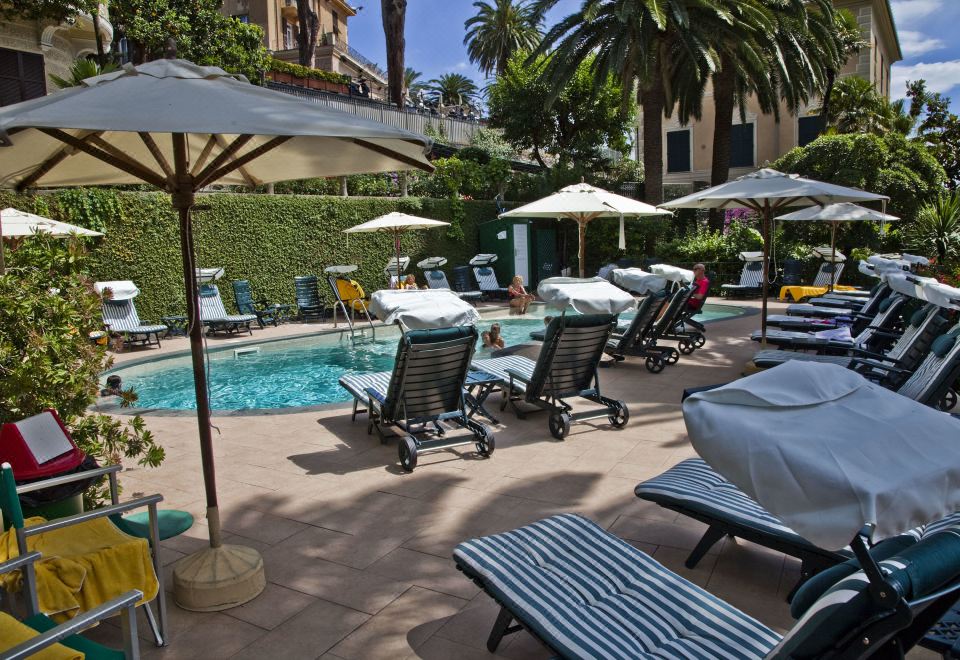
(47, 310)
(703, 244)
(492, 142)
(273, 64)
(499, 30)
(937, 128)
(454, 88)
(857, 107)
(937, 230)
(80, 70)
(889, 164)
(40, 10)
(203, 35)
(584, 117)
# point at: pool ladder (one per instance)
(350, 318)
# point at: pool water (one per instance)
(302, 371)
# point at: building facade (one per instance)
(281, 31)
(31, 51)
(688, 149)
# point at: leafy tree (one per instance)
(937, 230)
(202, 34)
(80, 70)
(583, 117)
(857, 107)
(937, 128)
(394, 14)
(410, 78)
(39, 10)
(498, 31)
(454, 88)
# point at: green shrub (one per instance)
(273, 64)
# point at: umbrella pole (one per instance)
(221, 576)
(582, 231)
(396, 246)
(766, 272)
(833, 255)
(3, 264)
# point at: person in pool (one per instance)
(410, 282)
(114, 386)
(519, 298)
(492, 338)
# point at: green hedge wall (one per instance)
(267, 239)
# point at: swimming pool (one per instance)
(301, 371)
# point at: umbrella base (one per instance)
(749, 368)
(217, 579)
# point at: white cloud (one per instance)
(909, 12)
(461, 66)
(940, 76)
(914, 43)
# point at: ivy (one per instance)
(273, 64)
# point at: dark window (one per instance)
(678, 151)
(21, 76)
(243, 18)
(808, 129)
(741, 145)
(336, 23)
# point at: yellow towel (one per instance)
(798, 292)
(83, 566)
(12, 633)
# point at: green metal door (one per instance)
(544, 251)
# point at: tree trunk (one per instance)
(723, 103)
(537, 157)
(309, 26)
(95, 13)
(827, 93)
(652, 101)
(394, 14)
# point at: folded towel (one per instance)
(83, 566)
(13, 633)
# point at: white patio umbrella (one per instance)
(583, 203)
(835, 214)
(766, 192)
(397, 224)
(15, 223)
(182, 127)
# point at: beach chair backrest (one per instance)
(923, 326)
(436, 279)
(486, 278)
(644, 320)
(211, 304)
(243, 297)
(846, 621)
(428, 375)
(888, 315)
(824, 274)
(307, 291)
(938, 371)
(752, 274)
(120, 315)
(463, 279)
(792, 271)
(676, 306)
(571, 352)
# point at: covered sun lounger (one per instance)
(674, 327)
(424, 393)
(120, 313)
(307, 291)
(437, 279)
(214, 314)
(486, 277)
(267, 313)
(348, 295)
(569, 358)
(633, 339)
(751, 277)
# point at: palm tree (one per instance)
(308, 29)
(847, 41)
(394, 13)
(454, 88)
(80, 70)
(410, 78)
(498, 31)
(855, 106)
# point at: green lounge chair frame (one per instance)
(632, 342)
(426, 389)
(568, 366)
(214, 315)
(309, 304)
(13, 517)
(121, 316)
(665, 328)
(267, 313)
(68, 634)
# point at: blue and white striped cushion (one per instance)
(588, 594)
(773, 358)
(357, 384)
(927, 378)
(749, 279)
(121, 316)
(212, 309)
(806, 309)
(824, 274)
(487, 279)
(776, 336)
(516, 363)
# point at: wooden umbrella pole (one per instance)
(766, 272)
(833, 255)
(582, 230)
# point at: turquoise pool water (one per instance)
(300, 371)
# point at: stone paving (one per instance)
(358, 553)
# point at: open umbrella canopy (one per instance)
(582, 202)
(766, 192)
(396, 222)
(15, 223)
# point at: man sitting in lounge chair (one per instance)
(701, 288)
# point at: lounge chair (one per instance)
(348, 295)
(673, 323)
(395, 270)
(120, 313)
(751, 277)
(633, 339)
(486, 277)
(425, 390)
(214, 314)
(437, 279)
(463, 280)
(266, 312)
(585, 594)
(308, 298)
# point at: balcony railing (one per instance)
(356, 55)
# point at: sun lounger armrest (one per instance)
(68, 478)
(863, 353)
(878, 364)
(114, 509)
(517, 375)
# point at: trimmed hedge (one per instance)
(267, 239)
(273, 64)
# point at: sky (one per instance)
(434, 34)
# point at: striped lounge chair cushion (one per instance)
(121, 316)
(487, 279)
(805, 309)
(357, 384)
(749, 278)
(796, 321)
(498, 367)
(588, 594)
(437, 279)
(773, 358)
(213, 311)
(775, 336)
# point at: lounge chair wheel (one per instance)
(408, 453)
(655, 364)
(559, 423)
(949, 400)
(686, 347)
(620, 418)
(699, 341)
(486, 446)
(672, 356)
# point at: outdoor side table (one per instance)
(479, 385)
(177, 325)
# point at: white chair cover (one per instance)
(121, 289)
(639, 281)
(941, 295)
(751, 256)
(672, 273)
(593, 295)
(422, 309)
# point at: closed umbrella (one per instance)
(181, 127)
(583, 203)
(835, 214)
(15, 223)
(397, 224)
(766, 192)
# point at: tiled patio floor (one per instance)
(358, 553)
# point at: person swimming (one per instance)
(492, 337)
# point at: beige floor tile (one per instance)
(426, 571)
(216, 637)
(272, 607)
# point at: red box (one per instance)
(39, 447)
